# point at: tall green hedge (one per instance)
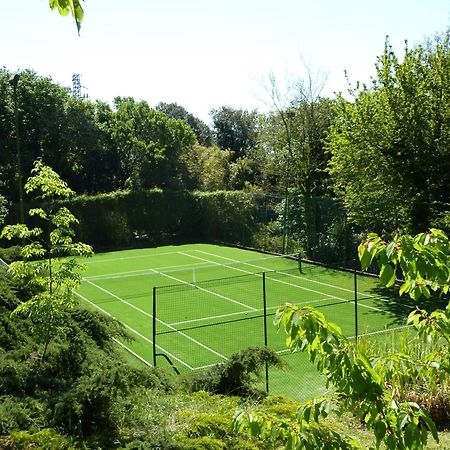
(157, 216)
(317, 227)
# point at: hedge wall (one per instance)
(157, 216)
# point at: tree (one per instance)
(92, 160)
(398, 130)
(361, 386)
(235, 129)
(208, 168)
(294, 134)
(49, 268)
(201, 130)
(41, 114)
(150, 145)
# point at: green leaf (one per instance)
(387, 275)
(364, 256)
(380, 431)
(390, 248)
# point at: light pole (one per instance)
(13, 82)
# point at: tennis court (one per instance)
(194, 305)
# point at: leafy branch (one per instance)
(66, 6)
(49, 268)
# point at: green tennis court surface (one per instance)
(209, 302)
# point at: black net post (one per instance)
(355, 276)
(265, 326)
(154, 326)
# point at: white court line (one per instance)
(105, 260)
(134, 331)
(300, 278)
(142, 272)
(222, 316)
(281, 281)
(179, 280)
(158, 320)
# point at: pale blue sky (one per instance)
(204, 54)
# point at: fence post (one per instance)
(265, 327)
(356, 304)
(154, 326)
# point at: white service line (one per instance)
(106, 260)
(140, 272)
(281, 281)
(222, 316)
(297, 277)
(179, 280)
(158, 320)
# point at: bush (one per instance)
(238, 375)
(45, 439)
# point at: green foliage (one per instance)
(293, 137)
(54, 277)
(390, 145)
(419, 362)
(424, 261)
(149, 143)
(359, 386)
(235, 130)
(66, 6)
(237, 375)
(46, 438)
(201, 130)
(209, 168)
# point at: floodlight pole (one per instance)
(13, 82)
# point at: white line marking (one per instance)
(106, 260)
(221, 316)
(284, 282)
(143, 272)
(134, 331)
(179, 280)
(158, 320)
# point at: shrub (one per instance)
(238, 375)
(45, 439)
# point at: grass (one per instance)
(210, 303)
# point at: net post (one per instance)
(355, 276)
(154, 326)
(265, 326)
(299, 261)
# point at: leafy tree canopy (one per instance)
(390, 146)
(201, 130)
(235, 129)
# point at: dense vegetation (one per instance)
(314, 174)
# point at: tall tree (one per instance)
(41, 121)
(201, 130)
(294, 134)
(150, 144)
(397, 129)
(235, 129)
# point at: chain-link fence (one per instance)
(197, 325)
